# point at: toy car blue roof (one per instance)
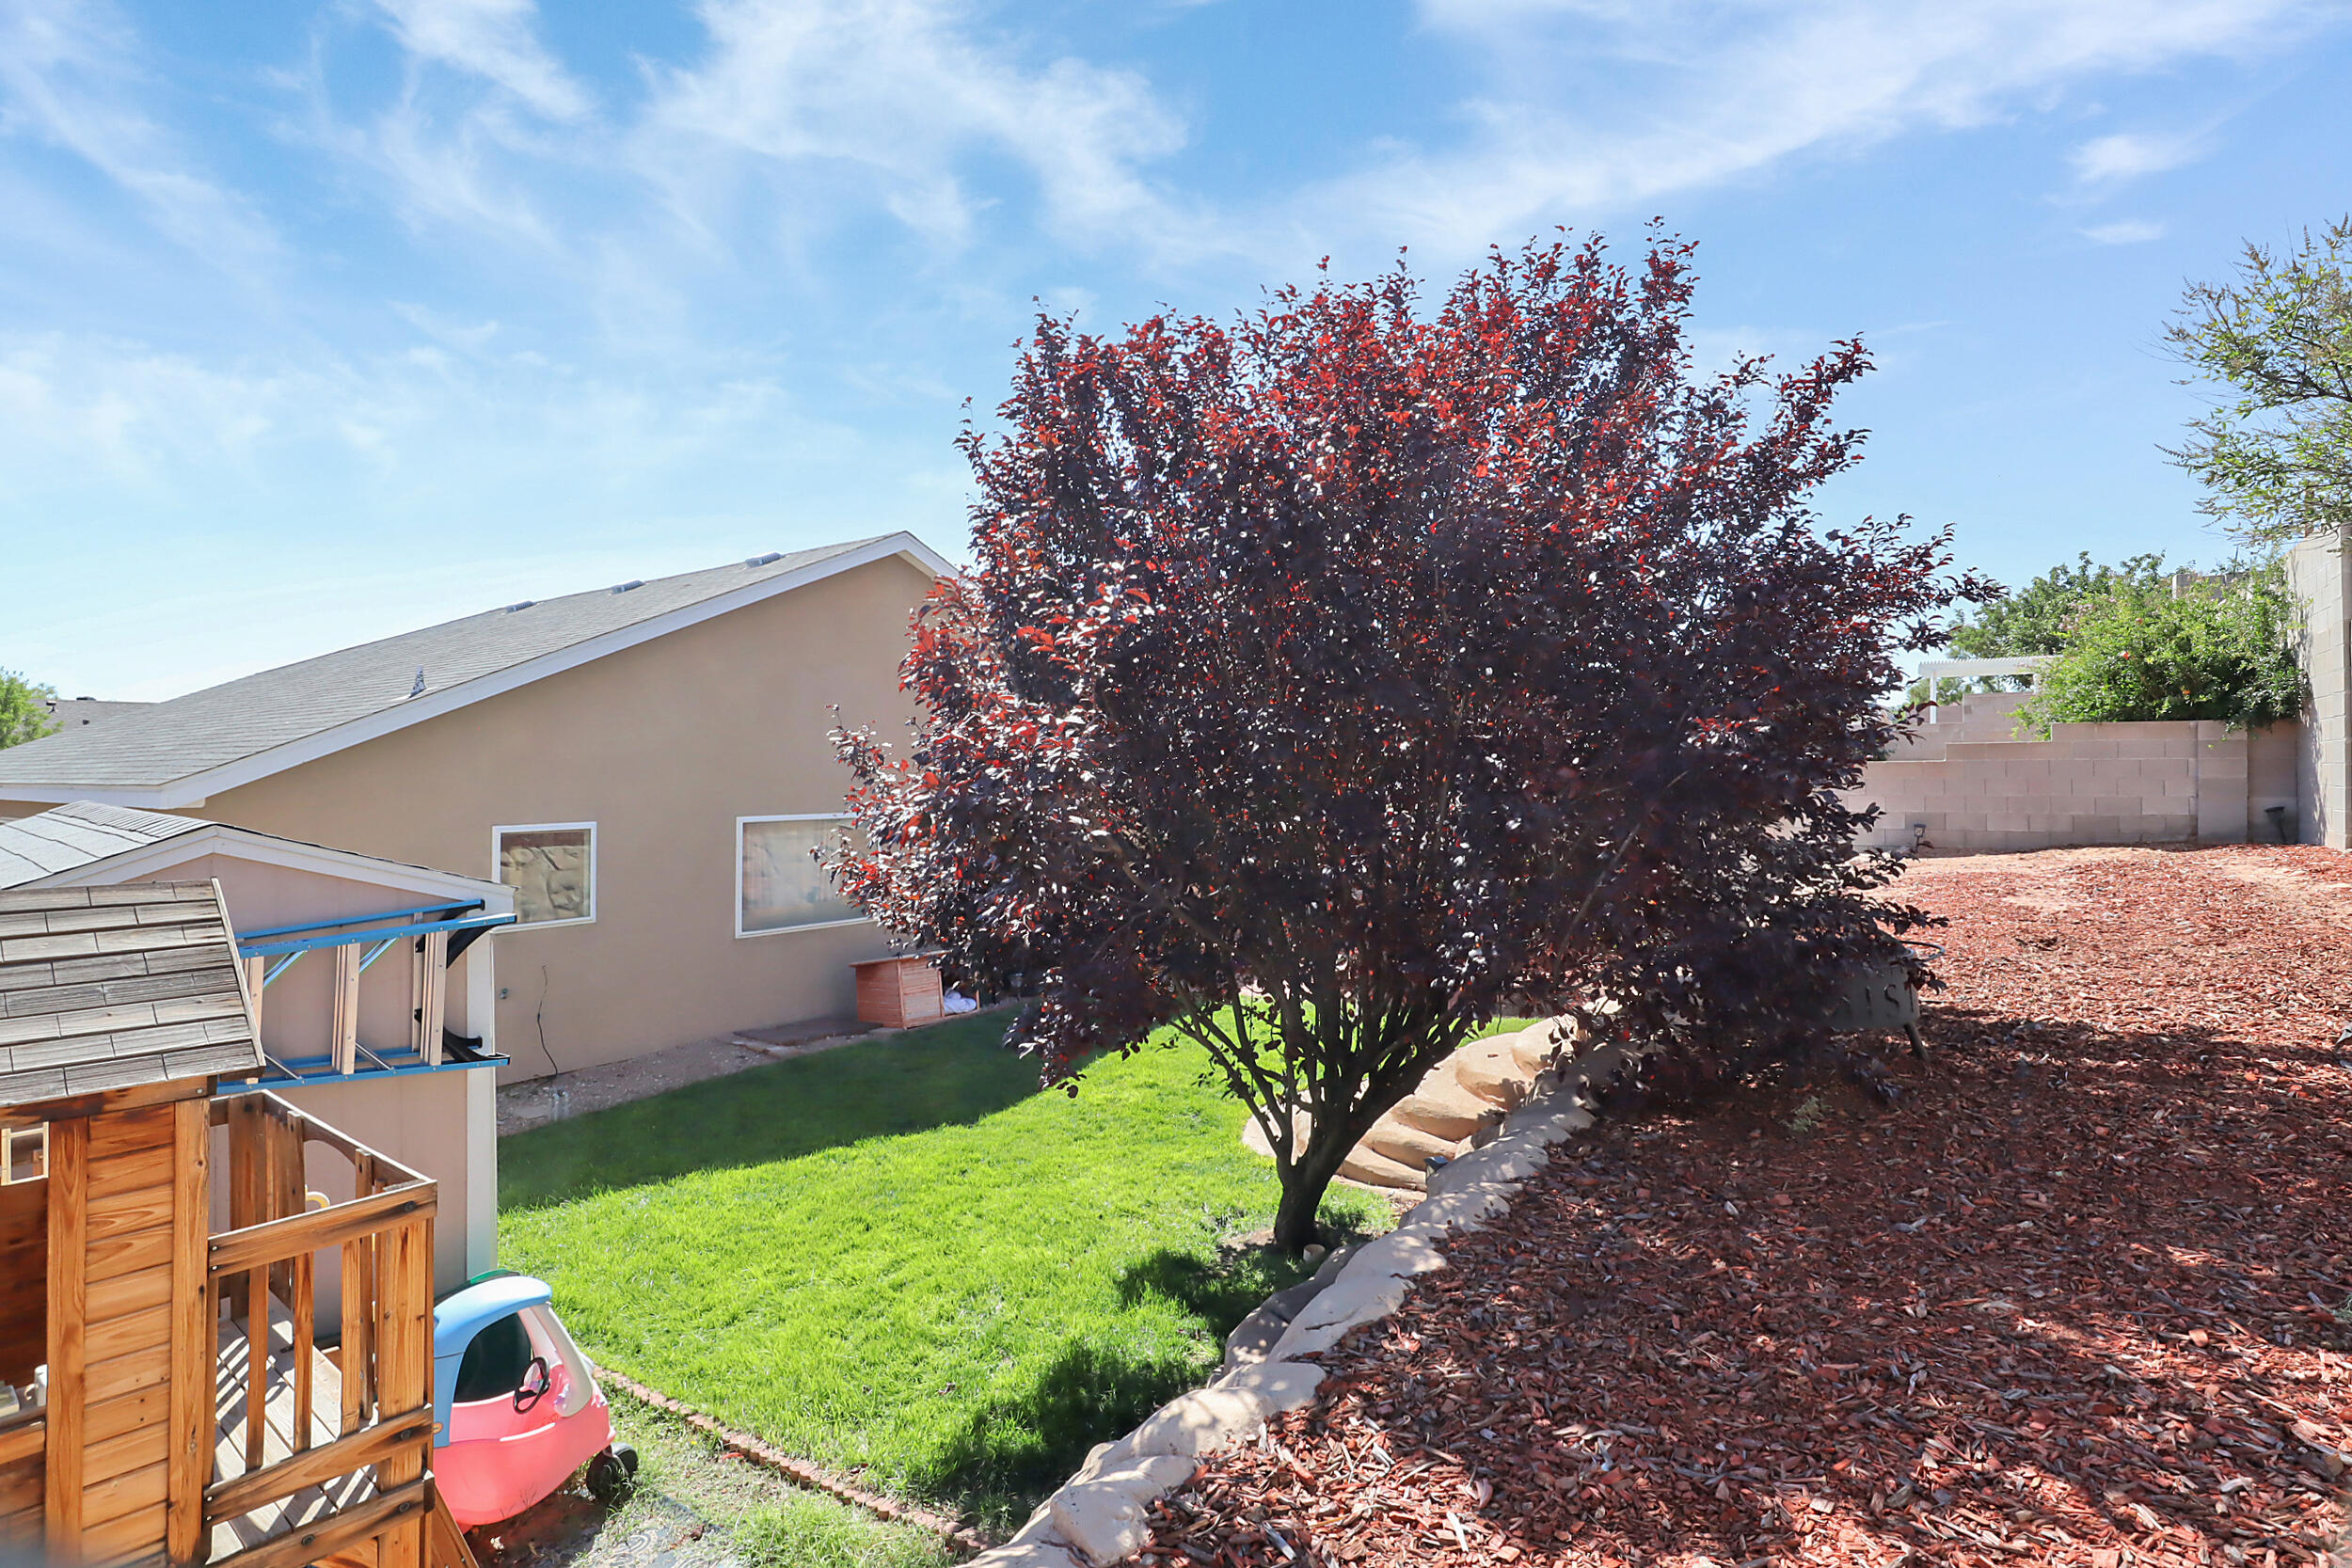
(456, 1321)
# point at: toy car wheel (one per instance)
(627, 1455)
(609, 1476)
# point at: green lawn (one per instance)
(903, 1256)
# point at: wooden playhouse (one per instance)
(170, 1388)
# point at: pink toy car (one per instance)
(515, 1404)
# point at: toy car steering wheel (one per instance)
(525, 1394)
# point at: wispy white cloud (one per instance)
(79, 409)
(1594, 105)
(2124, 232)
(73, 75)
(494, 39)
(2112, 159)
(898, 103)
(190, 507)
(482, 112)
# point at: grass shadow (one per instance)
(946, 1075)
(1219, 1295)
(1011, 1452)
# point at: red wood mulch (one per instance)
(2081, 1296)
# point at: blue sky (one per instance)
(323, 321)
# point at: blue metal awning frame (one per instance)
(287, 943)
(305, 1070)
(250, 946)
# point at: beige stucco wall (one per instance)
(662, 746)
(1976, 782)
(297, 1009)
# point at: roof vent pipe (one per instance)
(625, 587)
(767, 560)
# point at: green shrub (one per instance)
(2223, 650)
(2036, 619)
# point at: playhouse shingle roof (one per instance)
(225, 724)
(109, 987)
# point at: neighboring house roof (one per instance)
(73, 712)
(84, 844)
(110, 988)
(176, 753)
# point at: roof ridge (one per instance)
(136, 757)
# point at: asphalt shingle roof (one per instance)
(239, 718)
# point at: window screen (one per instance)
(552, 871)
(783, 886)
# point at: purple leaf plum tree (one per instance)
(1330, 682)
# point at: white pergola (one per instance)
(2030, 665)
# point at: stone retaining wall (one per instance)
(1974, 781)
(1099, 1517)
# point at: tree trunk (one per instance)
(1304, 1182)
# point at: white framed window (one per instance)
(552, 868)
(778, 885)
(23, 1154)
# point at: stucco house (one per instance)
(646, 766)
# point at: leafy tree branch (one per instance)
(2275, 454)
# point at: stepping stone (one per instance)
(1491, 1069)
(1465, 1094)
(1378, 1170)
(1533, 1048)
(1442, 1107)
(1407, 1145)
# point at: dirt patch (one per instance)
(537, 1102)
(2305, 879)
(2292, 883)
(696, 1505)
(2025, 864)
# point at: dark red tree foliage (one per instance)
(1330, 683)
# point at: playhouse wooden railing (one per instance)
(297, 1494)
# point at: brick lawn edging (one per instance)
(963, 1539)
(1098, 1517)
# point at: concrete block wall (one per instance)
(2319, 574)
(2273, 756)
(1978, 783)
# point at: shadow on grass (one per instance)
(1218, 1295)
(1013, 1451)
(947, 1075)
(1011, 1454)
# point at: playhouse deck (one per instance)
(232, 1413)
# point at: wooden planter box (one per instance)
(894, 992)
